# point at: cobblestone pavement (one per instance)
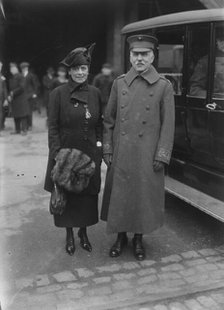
(192, 280)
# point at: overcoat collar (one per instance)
(151, 75)
(79, 92)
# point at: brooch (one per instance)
(88, 114)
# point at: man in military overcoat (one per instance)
(138, 140)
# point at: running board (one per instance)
(192, 196)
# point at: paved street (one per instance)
(184, 269)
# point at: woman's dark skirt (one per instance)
(81, 211)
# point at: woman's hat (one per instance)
(79, 56)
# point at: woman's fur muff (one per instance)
(73, 170)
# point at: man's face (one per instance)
(13, 70)
(50, 72)
(220, 44)
(106, 71)
(141, 60)
(25, 70)
(79, 74)
(61, 73)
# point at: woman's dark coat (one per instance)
(20, 104)
(68, 128)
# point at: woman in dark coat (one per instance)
(75, 122)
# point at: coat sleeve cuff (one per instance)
(163, 155)
(107, 148)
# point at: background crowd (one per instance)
(23, 92)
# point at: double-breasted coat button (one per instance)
(151, 94)
(122, 120)
(123, 133)
(122, 106)
(147, 107)
(144, 122)
(140, 134)
(124, 92)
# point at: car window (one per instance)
(170, 57)
(198, 61)
(218, 85)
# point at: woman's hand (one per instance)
(158, 165)
(108, 159)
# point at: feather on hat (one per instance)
(79, 56)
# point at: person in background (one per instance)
(18, 100)
(36, 101)
(31, 87)
(47, 85)
(104, 81)
(3, 98)
(61, 77)
(198, 80)
(137, 144)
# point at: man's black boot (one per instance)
(138, 248)
(121, 242)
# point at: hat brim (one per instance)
(141, 49)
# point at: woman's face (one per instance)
(79, 74)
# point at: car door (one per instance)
(215, 105)
(170, 64)
(197, 93)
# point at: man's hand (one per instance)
(158, 165)
(108, 159)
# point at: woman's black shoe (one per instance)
(117, 248)
(70, 243)
(70, 246)
(138, 248)
(84, 241)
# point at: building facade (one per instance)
(44, 31)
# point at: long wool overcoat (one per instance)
(69, 128)
(138, 129)
(31, 86)
(20, 104)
